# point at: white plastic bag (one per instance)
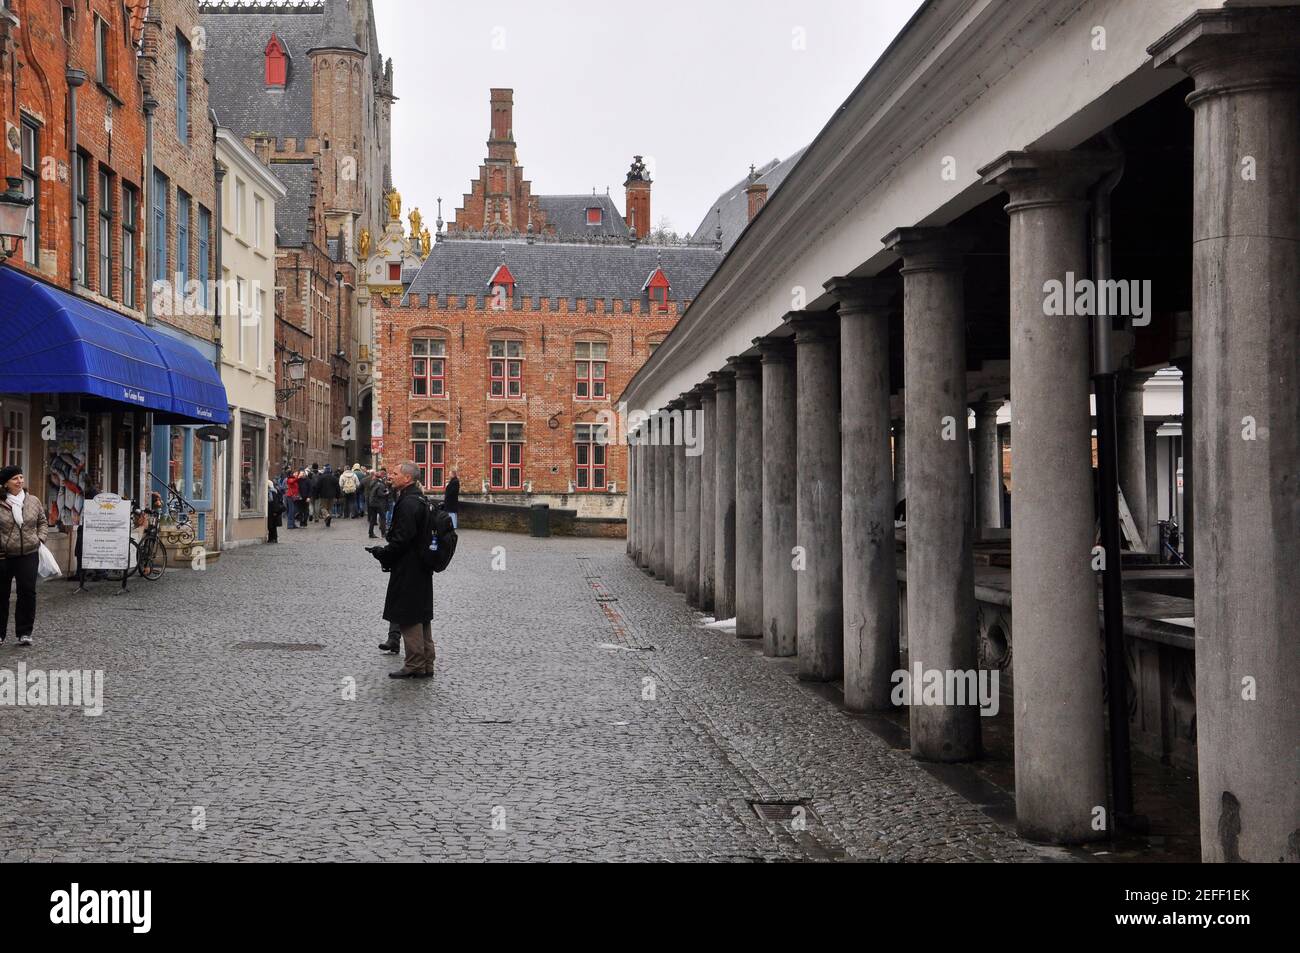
(48, 567)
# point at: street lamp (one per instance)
(14, 207)
(296, 368)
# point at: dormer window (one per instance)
(502, 287)
(594, 215)
(656, 288)
(277, 62)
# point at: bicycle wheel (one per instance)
(152, 558)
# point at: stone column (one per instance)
(649, 497)
(940, 561)
(678, 453)
(780, 604)
(671, 437)
(708, 491)
(691, 540)
(644, 493)
(987, 459)
(1246, 444)
(1187, 518)
(819, 584)
(1060, 749)
(867, 490)
(749, 497)
(629, 518)
(1131, 440)
(1151, 531)
(724, 510)
(900, 460)
(661, 497)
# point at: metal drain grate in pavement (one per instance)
(781, 812)
(278, 647)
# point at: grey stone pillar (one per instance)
(1060, 749)
(629, 488)
(987, 465)
(671, 436)
(724, 509)
(1246, 444)
(691, 540)
(1187, 518)
(661, 498)
(678, 453)
(1151, 443)
(900, 461)
(820, 583)
(749, 497)
(940, 561)
(780, 605)
(1131, 440)
(644, 493)
(708, 491)
(870, 582)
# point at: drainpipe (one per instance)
(219, 175)
(75, 78)
(150, 104)
(1104, 387)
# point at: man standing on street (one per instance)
(409, 601)
(451, 499)
(377, 493)
(326, 492)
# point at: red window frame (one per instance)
(506, 369)
(594, 215)
(591, 459)
(506, 456)
(429, 452)
(394, 271)
(428, 367)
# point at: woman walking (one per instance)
(23, 530)
(291, 499)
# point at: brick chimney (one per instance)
(756, 192)
(637, 187)
(501, 139)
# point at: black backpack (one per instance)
(439, 538)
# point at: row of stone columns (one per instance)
(795, 491)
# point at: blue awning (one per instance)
(52, 341)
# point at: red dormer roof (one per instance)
(277, 62)
(501, 276)
(657, 279)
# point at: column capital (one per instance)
(1036, 179)
(723, 380)
(773, 350)
(988, 407)
(1133, 380)
(746, 367)
(868, 297)
(693, 399)
(1227, 50)
(675, 404)
(812, 325)
(929, 249)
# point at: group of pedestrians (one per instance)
(319, 495)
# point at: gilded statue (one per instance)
(415, 223)
(394, 205)
(426, 242)
(363, 244)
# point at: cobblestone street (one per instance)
(578, 704)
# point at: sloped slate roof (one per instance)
(233, 64)
(557, 270)
(293, 211)
(568, 213)
(735, 203)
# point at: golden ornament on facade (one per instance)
(363, 244)
(415, 223)
(394, 205)
(426, 242)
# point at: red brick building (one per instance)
(525, 321)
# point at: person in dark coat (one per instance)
(377, 493)
(326, 492)
(274, 510)
(409, 601)
(306, 487)
(451, 499)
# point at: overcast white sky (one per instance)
(701, 88)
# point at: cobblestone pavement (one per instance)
(578, 704)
